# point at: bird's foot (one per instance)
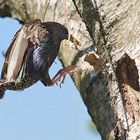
(61, 74)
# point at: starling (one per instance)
(31, 53)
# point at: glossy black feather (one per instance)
(44, 54)
(43, 43)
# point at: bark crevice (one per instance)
(127, 73)
(128, 79)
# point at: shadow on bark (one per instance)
(96, 95)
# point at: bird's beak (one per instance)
(75, 41)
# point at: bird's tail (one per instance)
(2, 88)
(2, 92)
(4, 85)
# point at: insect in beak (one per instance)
(75, 41)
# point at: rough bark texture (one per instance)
(110, 37)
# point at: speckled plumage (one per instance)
(31, 53)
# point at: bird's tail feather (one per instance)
(2, 92)
(2, 88)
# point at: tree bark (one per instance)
(110, 37)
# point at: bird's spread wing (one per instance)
(30, 32)
(16, 55)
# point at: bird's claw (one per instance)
(62, 74)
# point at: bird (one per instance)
(31, 53)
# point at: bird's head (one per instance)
(65, 34)
(60, 32)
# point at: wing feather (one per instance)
(4, 69)
(29, 35)
(16, 56)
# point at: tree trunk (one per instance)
(110, 37)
